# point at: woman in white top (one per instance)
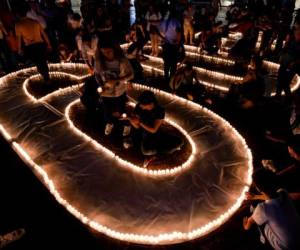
(153, 18)
(112, 71)
(87, 46)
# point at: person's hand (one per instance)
(291, 65)
(129, 86)
(134, 120)
(209, 101)
(190, 97)
(49, 48)
(91, 70)
(250, 196)
(245, 223)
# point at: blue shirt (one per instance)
(169, 28)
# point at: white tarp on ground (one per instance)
(126, 203)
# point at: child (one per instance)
(112, 71)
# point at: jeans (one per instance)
(170, 57)
(112, 106)
(5, 56)
(285, 77)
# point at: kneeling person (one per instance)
(148, 116)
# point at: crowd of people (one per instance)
(37, 32)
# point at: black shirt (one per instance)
(148, 117)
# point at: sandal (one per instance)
(11, 237)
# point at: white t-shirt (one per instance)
(33, 15)
(281, 222)
(113, 70)
(152, 18)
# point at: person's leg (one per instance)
(174, 55)
(41, 61)
(152, 38)
(156, 38)
(148, 145)
(280, 81)
(37, 54)
(108, 114)
(166, 59)
(120, 108)
(186, 33)
(191, 31)
(6, 60)
(279, 42)
(149, 148)
(286, 87)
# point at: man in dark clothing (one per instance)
(289, 64)
(173, 51)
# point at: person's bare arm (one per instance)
(153, 129)
(251, 197)
(135, 122)
(127, 70)
(248, 222)
(45, 37)
(294, 196)
(289, 169)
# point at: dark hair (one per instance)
(266, 181)
(108, 42)
(294, 143)
(76, 16)
(188, 65)
(147, 97)
(22, 10)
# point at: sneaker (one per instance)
(127, 143)
(108, 128)
(126, 130)
(11, 237)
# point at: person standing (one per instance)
(173, 50)
(153, 18)
(112, 71)
(289, 64)
(36, 43)
(35, 13)
(188, 24)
